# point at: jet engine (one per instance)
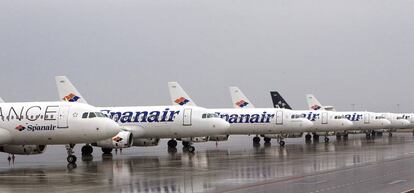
(23, 149)
(146, 141)
(122, 140)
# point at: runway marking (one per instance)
(397, 182)
(317, 182)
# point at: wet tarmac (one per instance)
(356, 165)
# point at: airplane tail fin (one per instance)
(68, 92)
(279, 101)
(313, 103)
(238, 99)
(178, 96)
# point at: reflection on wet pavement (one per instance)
(226, 167)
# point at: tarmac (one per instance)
(384, 164)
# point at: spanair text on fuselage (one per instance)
(262, 121)
(366, 120)
(165, 121)
(50, 123)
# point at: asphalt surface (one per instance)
(356, 165)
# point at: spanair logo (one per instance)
(182, 101)
(315, 107)
(20, 128)
(117, 139)
(242, 103)
(71, 98)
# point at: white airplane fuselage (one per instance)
(366, 120)
(43, 123)
(166, 121)
(262, 121)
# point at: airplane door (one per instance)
(279, 117)
(63, 116)
(325, 118)
(366, 118)
(187, 117)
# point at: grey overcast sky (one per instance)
(123, 52)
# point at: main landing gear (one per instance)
(87, 150)
(172, 143)
(187, 146)
(256, 140)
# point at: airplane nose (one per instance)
(385, 122)
(111, 128)
(347, 123)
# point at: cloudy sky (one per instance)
(123, 52)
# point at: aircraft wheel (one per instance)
(316, 137)
(71, 166)
(267, 139)
(186, 143)
(172, 143)
(326, 139)
(191, 149)
(71, 159)
(282, 143)
(256, 139)
(107, 150)
(308, 137)
(87, 150)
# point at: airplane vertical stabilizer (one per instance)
(178, 96)
(238, 99)
(68, 92)
(279, 101)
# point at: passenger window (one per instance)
(84, 115)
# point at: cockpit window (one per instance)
(92, 115)
(209, 115)
(84, 115)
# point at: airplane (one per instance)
(249, 120)
(362, 121)
(322, 122)
(26, 128)
(146, 125)
(397, 121)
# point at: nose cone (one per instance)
(111, 128)
(385, 123)
(222, 125)
(307, 124)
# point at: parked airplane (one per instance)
(397, 121)
(362, 121)
(322, 122)
(247, 121)
(26, 128)
(147, 124)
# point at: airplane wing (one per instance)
(279, 101)
(68, 92)
(238, 99)
(178, 96)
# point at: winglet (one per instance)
(238, 99)
(67, 92)
(178, 96)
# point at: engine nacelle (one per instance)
(195, 139)
(23, 149)
(123, 139)
(219, 138)
(146, 141)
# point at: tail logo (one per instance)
(117, 139)
(20, 128)
(242, 103)
(182, 101)
(315, 107)
(71, 98)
